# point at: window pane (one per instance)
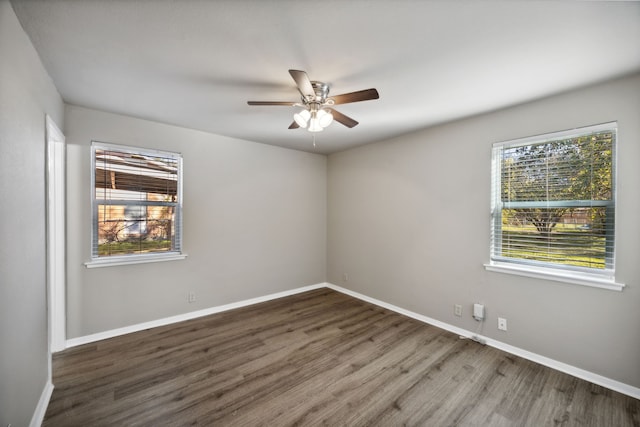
(572, 169)
(129, 229)
(126, 176)
(572, 236)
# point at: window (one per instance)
(553, 204)
(137, 204)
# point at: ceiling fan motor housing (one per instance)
(322, 91)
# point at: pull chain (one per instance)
(314, 140)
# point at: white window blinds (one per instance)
(553, 200)
(137, 201)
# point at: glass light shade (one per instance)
(302, 118)
(324, 118)
(314, 125)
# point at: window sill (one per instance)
(133, 259)
(555, 275)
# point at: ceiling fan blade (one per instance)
(294, 125)
(345, 120)
(289, 104)
(304, 84)
(361, 95)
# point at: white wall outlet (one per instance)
(478, 312)
(191, 297)
(345, 277)
(457, 310)
(502, 323)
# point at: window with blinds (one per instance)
(553, 201)
(137, 201)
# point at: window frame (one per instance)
(604, 278)
(125, 259)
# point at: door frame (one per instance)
(56, 238)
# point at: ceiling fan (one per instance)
(317, 105)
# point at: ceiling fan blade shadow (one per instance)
(284, 103)
(304, 84)
(361, 95)
(341, 118)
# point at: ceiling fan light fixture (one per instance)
(302, 118)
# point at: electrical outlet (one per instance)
(192, 297)
(457, 310)
(345, 277)
(502, 323)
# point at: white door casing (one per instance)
(56, 264)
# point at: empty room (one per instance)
(343, 213)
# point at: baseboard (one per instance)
(41, 409)
(73, 342)
(551, 363)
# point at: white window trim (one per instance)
(134, 259)
(605, 280)
(131, 259)
(565, 276)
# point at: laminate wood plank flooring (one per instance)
(312, 359)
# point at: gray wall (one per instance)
(26, 95)
(254, 224)
(408, 220)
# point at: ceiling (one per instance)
(196, 63)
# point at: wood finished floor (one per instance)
(317, 358)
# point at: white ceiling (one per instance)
(195, 63)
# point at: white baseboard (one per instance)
(551, 363)
(41, 409)
(73, 342)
